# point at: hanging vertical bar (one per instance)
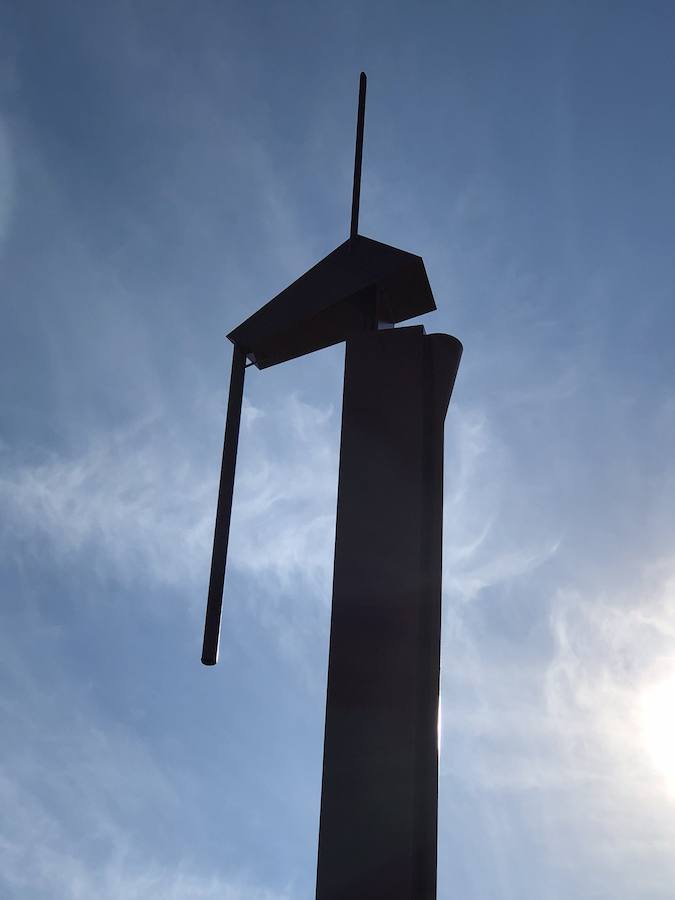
(221, 535)
(358, 156)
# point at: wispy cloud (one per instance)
(85, 796)
(138, 503)
(65, 827)
(126, 502)
(284, 519)
(581, 731)
(489, 537)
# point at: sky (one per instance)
(166, 168)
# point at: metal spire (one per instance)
(358, 156)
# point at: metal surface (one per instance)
(333, 301)
(377, 835)
(224, 510)
(358, 156)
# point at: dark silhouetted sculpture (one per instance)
(379, 798)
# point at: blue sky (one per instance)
(165, 168)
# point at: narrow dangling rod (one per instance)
(221, 535)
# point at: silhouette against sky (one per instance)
(165, 169)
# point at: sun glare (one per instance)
(439, 724)
(658, 728)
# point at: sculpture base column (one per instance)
(377, 836)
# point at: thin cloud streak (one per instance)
(138, 503)
(487, 538)
(85, 796)
(38, 855)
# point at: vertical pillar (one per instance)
(377, 836)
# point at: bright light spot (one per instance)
(439, 724)
(658, 728)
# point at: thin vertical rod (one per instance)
(221, 535)
(358, 156)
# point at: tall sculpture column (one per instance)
(377, 836)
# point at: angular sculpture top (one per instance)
(361, 284)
